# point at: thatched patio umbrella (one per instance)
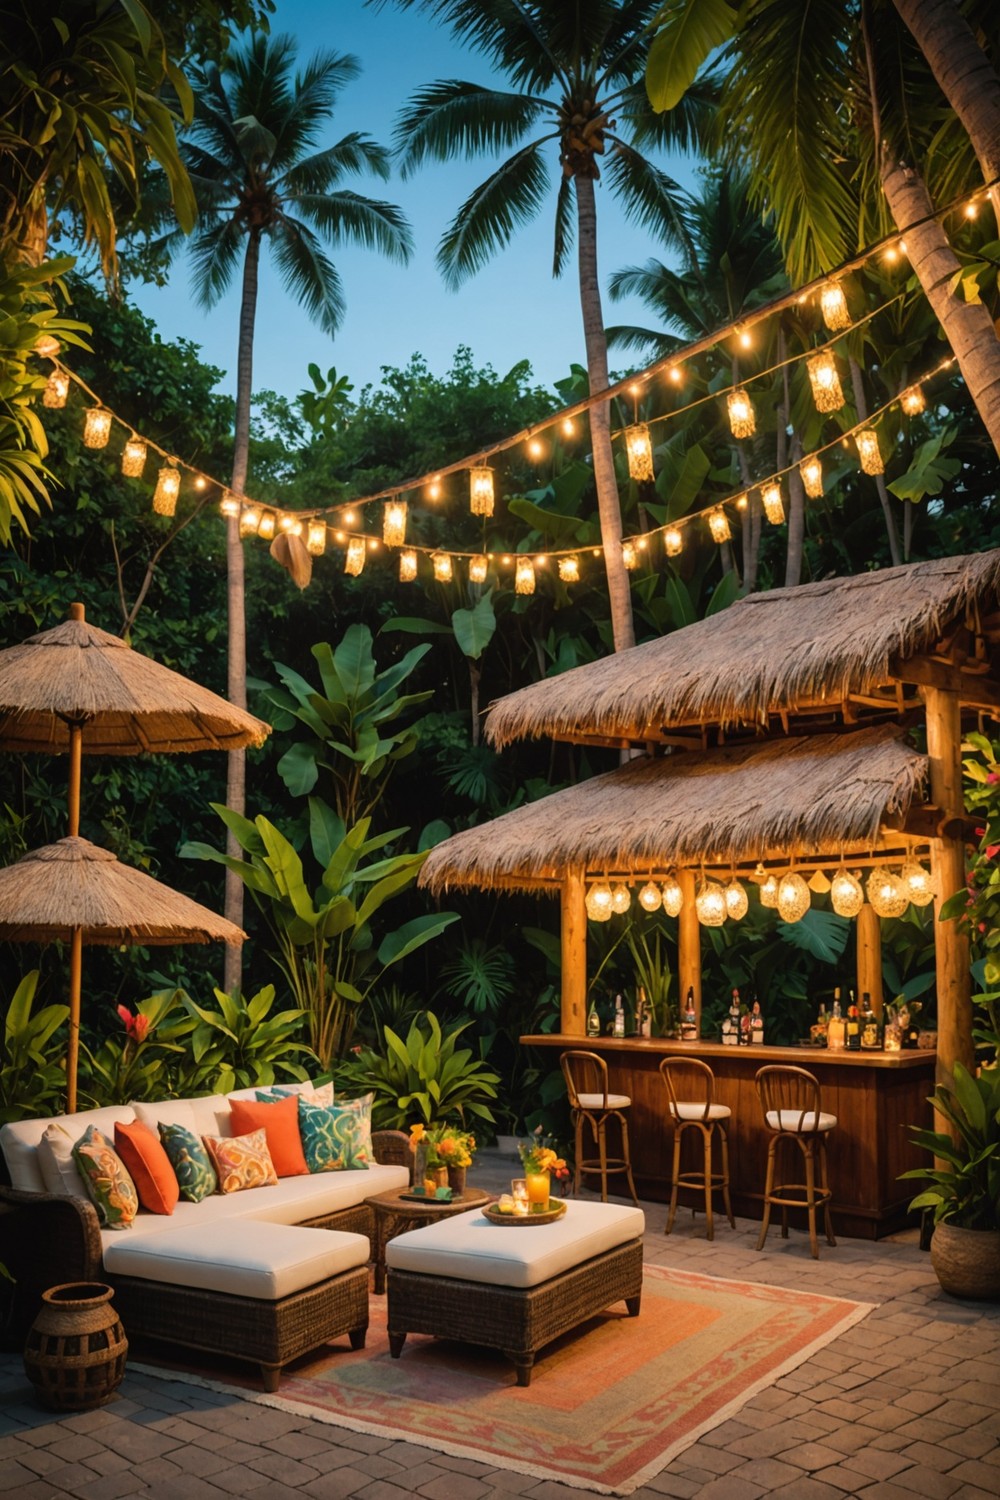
(74, 891)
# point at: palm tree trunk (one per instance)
(861, 405)
(236, 597)
(796, 492)
(968, 326)
(964, 75)
(608, 505)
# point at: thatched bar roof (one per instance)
(768, 654)
(814, 795)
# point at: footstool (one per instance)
(256, 1291)
(514, 1288)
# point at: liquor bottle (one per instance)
(836, 1034)
(756, 1025)
(618, 1025)
(744, 1025)
(853, 1026)
(731, 1025)
(689, 1021)
(818, 1031)
(593, 1020)
(871, 1027)
(645, 1015)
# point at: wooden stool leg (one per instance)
(768, 1188)
(808, 1152)
(825, 1181)
(577, 1150)
(628, 1160)
(674, 1171)
(602, 1151)
(706, 1133)
(725, 1176)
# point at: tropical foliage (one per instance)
(424, 1078)
(965, 1190)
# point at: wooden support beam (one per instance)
(688, 946)
(971, 689)
(869, 935)
(573, 939)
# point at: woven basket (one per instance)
(76, 1348)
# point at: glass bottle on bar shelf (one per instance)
(871, 1026)
(618, 1024)
(744, 1025)
(689, 1021)
(836, 1034)
(853, 1026)
(731, 1025)
(818, 1031)
(756, 1025)
(645, 1015)
(593, 1019)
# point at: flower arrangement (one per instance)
(538, 1156)
(447, 1145)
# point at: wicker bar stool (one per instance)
(592, 1105)
(690, 1086)
(790, 1100)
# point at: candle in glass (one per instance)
(519, 1193)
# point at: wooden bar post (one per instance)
(573, 938)
(869, 935)
(688, 946)
(951, 945)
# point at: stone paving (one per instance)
(904, 1404)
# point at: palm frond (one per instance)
(650, 198)
(314, 95)
(307, 274)
(453, 118)
(510, 196)
(643, 341)
(687, 127)
(215, 255)
(565, 225)
(344, 216)
(354, 153)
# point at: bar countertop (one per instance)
(805, 1057)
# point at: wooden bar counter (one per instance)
(876, 1096)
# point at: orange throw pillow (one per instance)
(149, 1167)
(280, 1123)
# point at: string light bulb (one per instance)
(442, 566)
(394, 523)
(316, 538)
(742, 419)
(524, 576)
(650, 897)
(598, 902)
(133, 457)
(536, 449)
(477, 568)
(569, 570)
(887, 893)
(407, 565)
(811, 471)
(673, 896)
(869, 452)
(568, 428)
(168, 487)
(737, 900)
(354, 560)
(846, 896)
(96, 427)
(919, 883)
(710, 904)
(774, 509)
(288, 523)
(913, 401)
(828, 393)
(621, 899)
(833, 306)
(639, 448)
(673, 542)
(265, 529)
(718, 525)
(793, 897)
(249, 520)
(56, 392)
(481, 490)
(630, 556)
(434, 488)
(229, 507)
(769, 891)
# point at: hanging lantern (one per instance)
(741, 414)
(56, 390)
(819, 883)
(774, 510)
(828, 393)
(718, 525)
(811, 471)
(833, 306)
(46, 346)
(710, 904)
(869, 451)
(621, 899)
(793, 897)
(769, 891)
(96, 427)
(168, 487)
(316, 538)
(919, 883)
(133, 458)
(354, 561)
(673, 896)
(249, 521)
(524, 576)
(407, 565)
(650, 897)
(737, 901)
(442, 566)
(913, 401)
(598, 902)
(394, 523)
(630, 556)
(287, 523)
(673, 542)
(569, 570)
(887, 893)
(268, 522)
(846, 896)
(640, 451)
(481, 490)
(229, 507)
(477, 568)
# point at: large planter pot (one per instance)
(967, 1261)
(76, 1348)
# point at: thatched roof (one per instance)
(815, 795)
(73, 885)
(128, 702)
(767, 654)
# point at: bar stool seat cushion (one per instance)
(685, 1111)
(796, 1123)
(596, 1101)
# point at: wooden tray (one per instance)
(555, 1210)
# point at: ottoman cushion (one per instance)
(471, 1248)
(265, 1261)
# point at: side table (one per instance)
(395, 1214)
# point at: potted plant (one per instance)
(964, 1188)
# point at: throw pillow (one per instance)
(192, 1165)
(108, 1184)
(58, 1164)
(148, 1166)
(241, 1161)
(362, 1107)
(332, 1138)
(280, 1121)
(312, 1093)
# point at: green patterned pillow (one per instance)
(191, 1163)
(106, 1179)
(312, 1093)
(362, 1107)
(333, 1138)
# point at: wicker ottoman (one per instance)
(255, 1291)
(513, 1288)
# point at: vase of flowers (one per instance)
(540, 1163)
(444, 1154)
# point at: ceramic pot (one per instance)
(967, 1261)
(76, 1348)
(456, 1180)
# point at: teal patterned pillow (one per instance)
(362, 1107)
(312, 1093)
(106, 1179)
(333, 1138)
(191, 1163)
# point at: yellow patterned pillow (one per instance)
(241, 1161)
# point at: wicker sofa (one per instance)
(49, 1236)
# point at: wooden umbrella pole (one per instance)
(573, 939)
(75, 775)
(688, 945)
(73, 1047)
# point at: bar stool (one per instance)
(690, 1086)
(790, 1100)
(591, 1104)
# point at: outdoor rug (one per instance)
(609, 1405)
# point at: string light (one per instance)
(769, 891)
(598, 902)
(407, 565)
(774, 509)
(630, 556)
(316, 538)
(673, 542)
(168, 487)
(846, 896)
(869, 451)
(265, 529)
(481, 490)
(718, 525)
(833, 306)
(710, 904)
(568, 428)
(97, 427)
(442, 566)
(350, 517)
(569, 570)
(477, 568)
(434, 488)
(828, 393)
(133, 458)
(742, 420)
(737, 900)
(811, 471)
(536, 449)
(56, 390)
(674, 375)
(673, 896)
(229, 507)
(745, 338)
(524, 576)
(249, 520)
(290, 525)
(913, 401)
(639, 448)
(650, 897)
(394, 523)
(793, 897)
(887, 894)
(354, 560)
(919, 883)
(621, 899)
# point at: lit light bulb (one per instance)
(769, 891)
(869, 451)
(442, 566)
(746, 342)
(913, 401)
(650, 897)
(639, 448)
(742, 419)
(774, 509)
(710, 904)
(350, 517)
(674, 375)
(354, 561)
(477, 569)
(567, 427)
(316, 538)
(569, 570)
(168, 487)
(673, 896)
(249, 520)
(971, 210)
(536, 449)
(96, 427)
(673, 542)
(229, 506)
(919, 883)
(524, 576)
(793, 897)
(828, 393)
(621, 899)
(133, 458)
(846, 896)
(266, 525)
(737, 901)
(56, 390)
(434, 488)
(481, 490)
(887, 893)
(630, 556)
(394, 523)
(598, 902)
(407, 565)
(833, 306)
(718, 525)
(811, 471)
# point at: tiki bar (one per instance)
(799, 733)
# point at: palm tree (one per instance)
(257, 177)
(576, 68)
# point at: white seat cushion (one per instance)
(266, 1261)
(206, 1116)
(472, 1249)
(794, 1121)
(596, 1101)
(686, 1111)
(20, 1139)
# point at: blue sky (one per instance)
(512, 310)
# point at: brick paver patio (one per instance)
(905, 1404)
